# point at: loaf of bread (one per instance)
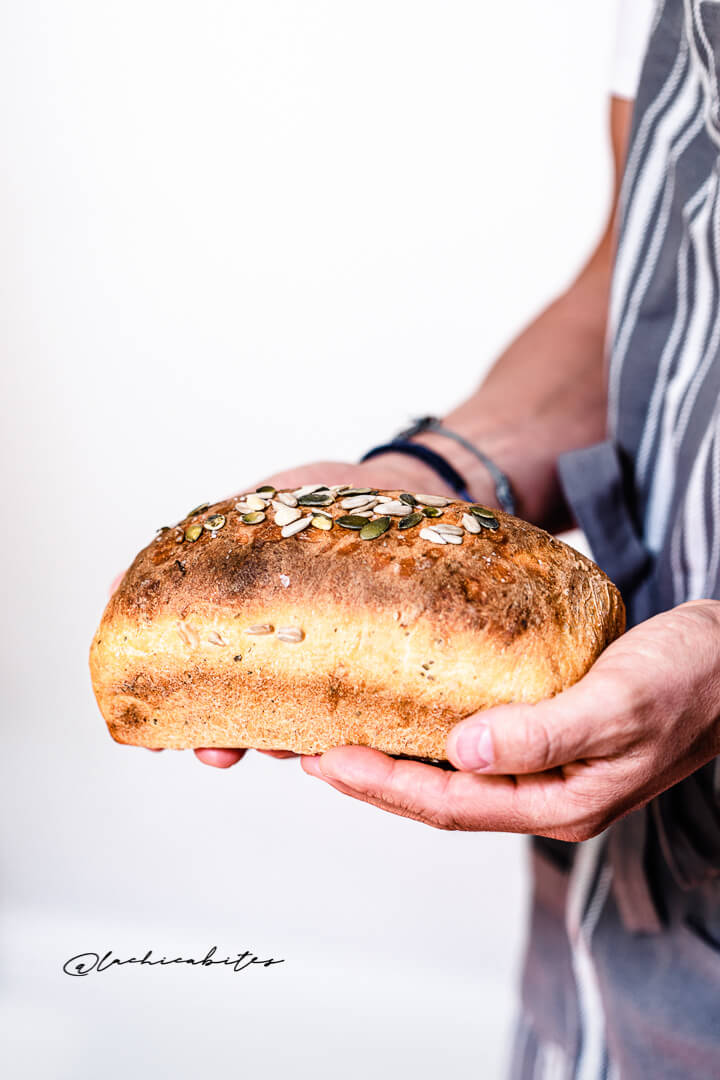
(331, 616)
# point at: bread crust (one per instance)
(401, 637)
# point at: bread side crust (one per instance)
(400, 641)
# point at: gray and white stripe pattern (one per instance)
(664, 330)
(655, 481)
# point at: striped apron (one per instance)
(622, 969)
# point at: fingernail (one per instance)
(474, 747)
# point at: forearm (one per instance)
(546, 394)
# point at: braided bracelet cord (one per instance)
(503, 488)
(442, 467)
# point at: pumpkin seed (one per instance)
(317, 498)
(352, 521)
(267, 490)
(433, 500)
(471, 523)
(372, 529)
(215, 521)
(409, 521)
(360, 491)
(287, 498)
(434, 537)
(481, 511)
(320, 521)
(253, 518)
(432, 511)
(295, 527)
(199, 509)
(406, 497)
(193, 533)
(488, 523)
(286, 515)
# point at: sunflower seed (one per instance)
(354, 502)
(253, 518)
(287, 498)
(432, 511)
(286, 515)
(453, 530)
(364, 513)
(291, 634)
(383, 499)
(471, 523)
(216, 639)
(178, 536)
(397, 509)
(433, 500)
(375, 528)
(316, 498)
(255, 502)
(321, 521)
(409, 499)
(199, 509)
(360, 491)
(295, 527)
(435, 537)
(319, 512)
(409, 521)
(307, 489)
(351, 521)
(188, 635)
(451, 538)
(248, 507)
(193, 533)
(267, 491)
(214, 522)
(260, 628)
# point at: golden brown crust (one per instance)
(402, 638)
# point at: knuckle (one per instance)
(535, 742)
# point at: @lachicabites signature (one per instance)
(86, 963)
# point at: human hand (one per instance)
(642, 719)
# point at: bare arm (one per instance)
(546, 393)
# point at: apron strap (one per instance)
(593, 484)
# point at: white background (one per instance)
(238, 235)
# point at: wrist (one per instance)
(403, 470)
(478, 479)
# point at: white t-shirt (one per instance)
(634, 20)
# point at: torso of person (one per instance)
(622, 972)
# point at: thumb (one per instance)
(529, 738)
